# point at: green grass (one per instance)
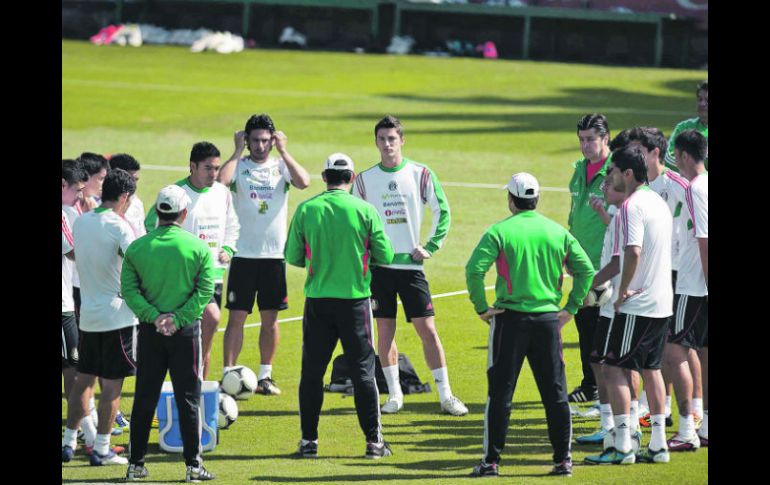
(470, 120)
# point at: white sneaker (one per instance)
(454, 406)
(392, 405)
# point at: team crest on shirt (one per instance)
(375, 305)
(664, 195)
(392, 186)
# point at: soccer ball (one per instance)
(240, 382)
(609, 441)
(600, 295)
(228, 411)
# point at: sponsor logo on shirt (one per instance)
(262, 187)
(394, 204)
(398, 212)
(393, 196)
(399, 220)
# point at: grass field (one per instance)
(470, 120)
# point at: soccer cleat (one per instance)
(155, 422)
(267, 387)
(593, 412)
(676, 443)
(454, 406)
(563, 468)
(198, 474)
(485, 470)
(579, 395)
(647, 455)
(704, 442)
(697, 419)
(67, 453)
(646, 421)
(375, 451)
(136, 472)
(111, 458)
(121, 422)
(308, 450)
(88, 450)
(392, 406)
(611, 456)
(596, 438)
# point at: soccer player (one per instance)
(400, 188)
(700, 123)
(642, 307)
(529, 251)
(107, 324)
(135, 212)
(261, 187)
(97, 168)
(73, 179)
(587, 226)
(336, 237)
(167, 281)
(689, 328)
(211, 217)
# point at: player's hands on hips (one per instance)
(240, 141)
(279, 140)
(564, 317)
(420, 253)
(224, 258)
(491, 312)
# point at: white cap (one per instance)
(523, 186)
(339, 161)
(172, 199)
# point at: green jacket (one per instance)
(337, 237)
(529, 251)
(584, 223)
(689, 124)
(168, 270)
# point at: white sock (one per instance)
(70, 438)
(441, 377)
(89, 430)
(92, 411)
(668, 406)
(704, 427)
(102, 444)
(658, 436)
(635, 415)
(697, 406)
(623, 433)
(265, 371)
(394, 385)
(606, 420)
(686, 426)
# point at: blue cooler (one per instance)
(168, 417)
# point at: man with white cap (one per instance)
(167, 280)
(526, 319)
(336, 236)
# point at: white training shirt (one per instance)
(646, 222)
(261, 194)
(73, 212)
(400, 195)
(135, 216)
(101, 240)
(690, 280)
(672, 187)
(610, 249)
(67, 265)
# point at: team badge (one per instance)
(393, 186)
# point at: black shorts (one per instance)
(690, 324)
(217, 298)
(410, 285)
(635, 342)
(599, 345)
(69, 340)
(263, 278)
(111, 355)
(76, 299)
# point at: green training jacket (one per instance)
(168, 270)
(529, 251)
(584, 223)
(337, 237)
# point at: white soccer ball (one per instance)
(600, 295)
(240, 382)
(228, 411)
(609, 441)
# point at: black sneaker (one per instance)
(581, 395)
(198, 474)
(267, 387)
(375, 451)
(135, 472)
(308, 450)
(485, 470)
(563, 468)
